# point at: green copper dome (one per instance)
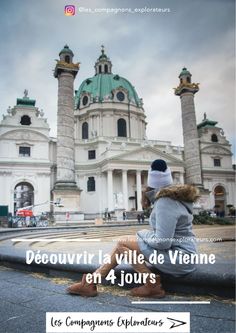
(101, 87)
(66, 49)
(185, 72)
(25, 101)
(207, 122)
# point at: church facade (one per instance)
(100, 159)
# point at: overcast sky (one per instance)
(147, 49)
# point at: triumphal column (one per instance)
(65, 189)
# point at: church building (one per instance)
(100, 159)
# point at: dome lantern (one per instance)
(185, 84)
(103, 65)
(66, 54)
(185, 76)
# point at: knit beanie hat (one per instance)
(159, 175)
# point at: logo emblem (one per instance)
(69, 10)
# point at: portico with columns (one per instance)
(125, 187)
(120, 181)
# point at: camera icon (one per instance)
(69, 10)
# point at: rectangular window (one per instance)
(91, 154)
(24, 151)
(217, 162)
(91, 184)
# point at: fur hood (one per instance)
(187, 193)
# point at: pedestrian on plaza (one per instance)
(139, 218)
(67, 217)
(142, 218)
(27, 221)
(124, 215)
(109, 216)
(171, 231)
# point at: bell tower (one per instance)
(186, 90)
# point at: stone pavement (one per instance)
(217, 279)
(26, 297)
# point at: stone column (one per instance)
(98, 125)
(110, 200)
(186, 91)
(191, 140)
(90, 127)
(65, 131)
(139, 189)
(125, 189)
(65, 187)
(99, 188)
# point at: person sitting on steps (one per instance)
(170, 230)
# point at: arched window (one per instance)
(214, 138)
(100, 69)
(121, 127)
(85, 130)
(23, 195)
(106, 69)
(25, 120)
(91, 187)
(220, 200)
(188, 79)
(219, 191)
(67, 59)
